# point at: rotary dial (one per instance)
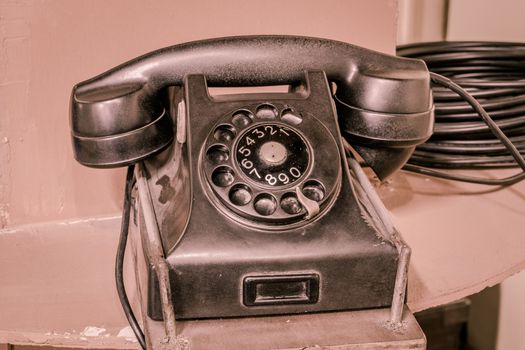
(258, 165)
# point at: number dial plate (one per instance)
(272, 154)
(252, 163)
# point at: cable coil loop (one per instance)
(479, 97)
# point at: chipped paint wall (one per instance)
(57, 276)
(48, 46)
(57, 270)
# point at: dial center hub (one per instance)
(273, 153)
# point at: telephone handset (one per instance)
(256, 207)
(384, 102)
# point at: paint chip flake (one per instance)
(127, 333)
(91, 331)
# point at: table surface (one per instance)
(463, 237)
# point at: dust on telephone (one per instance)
(255, 204)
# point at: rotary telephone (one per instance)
(254, 205)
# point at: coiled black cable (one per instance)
(489, 78)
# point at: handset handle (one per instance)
(120, 111)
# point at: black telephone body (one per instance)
(257, 209)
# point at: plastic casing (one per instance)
(212, 254)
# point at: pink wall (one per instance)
(48, 46)
(57, 277)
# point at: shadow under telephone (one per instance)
(253, 200)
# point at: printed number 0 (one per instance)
(295, 172)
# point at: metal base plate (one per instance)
(365, 329)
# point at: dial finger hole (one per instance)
(224, 133)
(266, 112)
(291, 117)
(222, 176)
(217, 154)
(314, 190)
(241, 119)
(240, 195)
(290, 204)
(265, 204)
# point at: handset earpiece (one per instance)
(385, 111)
(118, 124)
(384, 102)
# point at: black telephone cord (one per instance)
(469, 79)
(119, 261)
